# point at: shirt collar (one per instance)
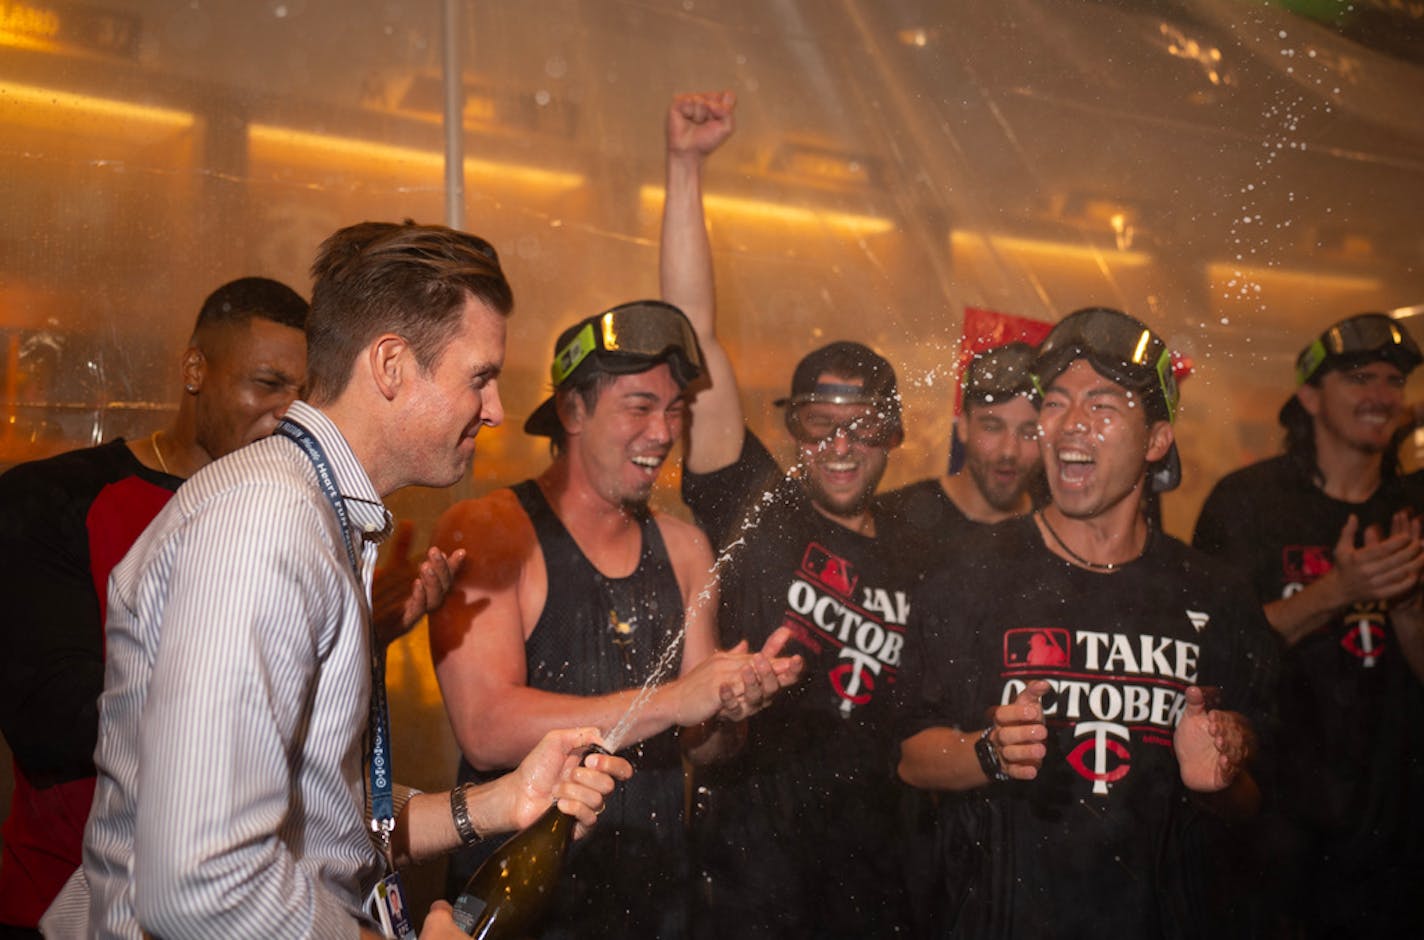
(368, 514)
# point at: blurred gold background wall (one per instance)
(1237, 173)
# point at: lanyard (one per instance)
(382, 800)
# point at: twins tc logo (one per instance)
(1102, 758)
(1364, 634)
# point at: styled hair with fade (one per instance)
(239, 301)
(382, 277)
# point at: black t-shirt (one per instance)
(803, 821)
(1352, 755)
(1102, 842)
(928, 521)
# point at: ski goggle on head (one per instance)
(630, 338)
(998, 375)
(1365, 337)
(810, 422)
(1118, 346)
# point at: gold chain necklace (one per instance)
(153, 442)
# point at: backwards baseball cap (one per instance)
(1125, 350)
(1365, 337)
(632, 337)
(851, 361)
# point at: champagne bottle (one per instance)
(508, 895)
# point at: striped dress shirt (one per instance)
(230, 756)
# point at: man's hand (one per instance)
(1212, 746)
(699, 122)
(762, 676)
(1018, 733)
(732, 684)
(404, 592)
(1382, 567)
(557, 770)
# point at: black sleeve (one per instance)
(938, 682)
(720, 500)
(53, 668)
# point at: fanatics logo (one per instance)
(1305, 563)
(1199, 619)
(1036, 646)
(831, 570)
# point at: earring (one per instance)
(191, 389)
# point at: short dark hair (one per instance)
(408, 279)
(589, 386)
(237, 302)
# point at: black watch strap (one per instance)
(988, 756)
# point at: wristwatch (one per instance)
(460, 813)
(988, 756)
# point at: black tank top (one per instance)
(598, 635)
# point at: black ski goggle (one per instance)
(632, 335)
(1366, 336)
(997, 375)
(1118, 346)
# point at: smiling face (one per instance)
(451, 402)
(246, 375)
(1001, 450)
(619, 445)
(1357, 408)
(1096, 442)
(841, 469)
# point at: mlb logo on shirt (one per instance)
(831, 570)
(1305, 563)
(1036, 646)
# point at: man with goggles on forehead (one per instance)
(994, 459)
(1058, 687)
(1328, 533)
(803, 550)
(573, 591)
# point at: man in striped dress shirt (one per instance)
(235, 713)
